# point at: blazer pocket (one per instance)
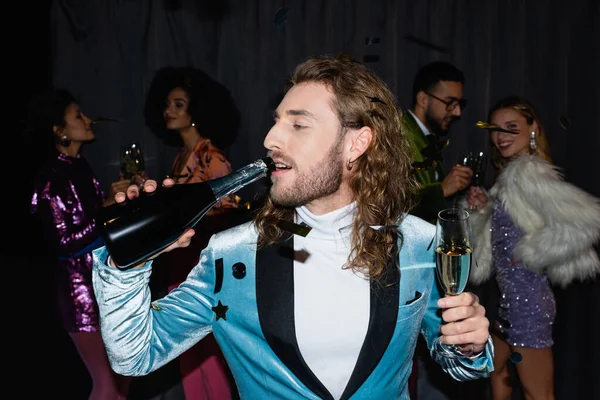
(412, 306)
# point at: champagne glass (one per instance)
(477, 162)
(132, 161)
(453, 260)
(465, 158)
(453, 250)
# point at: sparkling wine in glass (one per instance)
(132, 161)
(453, 250)
(453, 262)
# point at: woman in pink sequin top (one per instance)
(66, 197)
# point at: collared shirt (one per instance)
(421, 125)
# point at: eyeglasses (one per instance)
(451, 105)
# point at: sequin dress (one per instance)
(527, 308)
(65, 200)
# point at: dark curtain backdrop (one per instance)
(106, 52)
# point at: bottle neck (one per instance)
(228, 184)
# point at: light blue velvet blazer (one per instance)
(246, 297)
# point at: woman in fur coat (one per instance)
(531, 230)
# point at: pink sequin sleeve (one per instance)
(68, 221)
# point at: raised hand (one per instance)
(149, 186)
(457, 179)
(476, 198)
(117, 186)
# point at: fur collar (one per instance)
(561, 223)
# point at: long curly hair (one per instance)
(381, 180)
(527, 110)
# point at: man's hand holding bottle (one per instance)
(149, 186)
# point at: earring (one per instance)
(532, 144)
(193, 124)
(349, 165)
(64, 141)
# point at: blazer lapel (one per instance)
(275, 303)
(382, 324)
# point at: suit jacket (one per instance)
(431, 194)
(246, 298)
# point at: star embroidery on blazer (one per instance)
(220, 311)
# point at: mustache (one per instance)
(279, 156)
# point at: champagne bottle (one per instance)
(137, 229)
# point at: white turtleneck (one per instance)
(331, 304)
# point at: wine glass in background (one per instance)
(464, 158)
(477, 162)
(132, 161)
(453, 250)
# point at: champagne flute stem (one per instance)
(472, 207)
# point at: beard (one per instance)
(435, 125)
(323, 179)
